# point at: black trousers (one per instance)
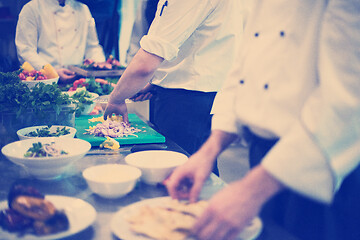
(307, 219)
(183, 116)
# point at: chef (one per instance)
(59, 32)
(186, 54)
(295, 94)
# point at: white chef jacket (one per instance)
(298, 78)
(197, 39)
(61, 36)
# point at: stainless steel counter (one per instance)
(72, 184)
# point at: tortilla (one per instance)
(172, 221)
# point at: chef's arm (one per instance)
(323, 147)
(26, 39)
(137, 74)
(93, 49)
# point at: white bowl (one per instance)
(22, 132)
(155, 165)
(32, 83)
(111, 180)
(46, 167)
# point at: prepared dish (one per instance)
(45, 132)
(170, 221)
(44, 150)
(30, 213)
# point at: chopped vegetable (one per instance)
(114, 129)
(46, 150)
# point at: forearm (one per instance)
(136, 76)
(260, 185)
(217, 142)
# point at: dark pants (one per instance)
(307, 219)
(183, 116)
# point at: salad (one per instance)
(44, 150)
(45, 132)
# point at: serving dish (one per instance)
(155, 165)
(80, 213)
(121, 228)
(111, 180)
(31, 83)
(22, 133)
(46, 167)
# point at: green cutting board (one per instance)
(147, 135)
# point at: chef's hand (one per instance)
(65, 75)
(233, 208)
(117, 109)
(187, 180)
(144, 94)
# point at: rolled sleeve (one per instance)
(224, 122)
(159, 47)
(174, 22)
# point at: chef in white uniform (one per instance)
(188, 51)
(295, 92)
(59, 32)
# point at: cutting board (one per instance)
(96, 73)
(147, 135)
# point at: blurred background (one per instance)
(114, 21)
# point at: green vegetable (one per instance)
(15, 96)
(101, 89)
(46, 150)
(45, 132)
(81, 98)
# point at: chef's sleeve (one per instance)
(93, 49)
(174, 22)
(26, 38)
(223, 109)
(323, 147)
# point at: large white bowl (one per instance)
(111, 180)
(32, 83)
(22, 132)
(155, 165)
(46, 167)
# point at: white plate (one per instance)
(121, 228)
(80, 214)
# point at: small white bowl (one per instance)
(22, 132)
(30, 84)
(46, 167)
(155, 165)
(111, 180)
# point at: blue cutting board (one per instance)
(147, 135)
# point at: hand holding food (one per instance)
(113, 127)
(65, 74)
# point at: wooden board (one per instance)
(147, 135)
(96, 73)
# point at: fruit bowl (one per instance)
(31, 83)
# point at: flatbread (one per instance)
(172, 221)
